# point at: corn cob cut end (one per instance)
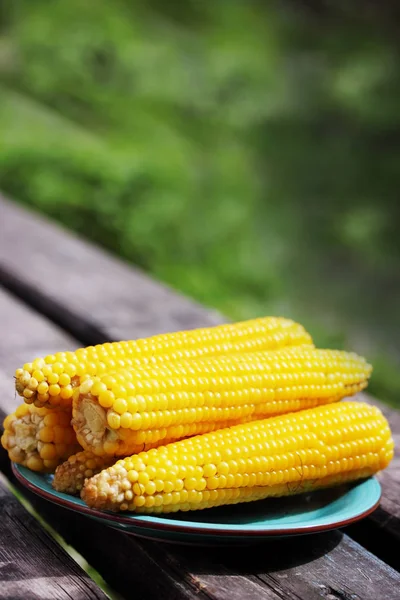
(49, 381)
(39, 438)
(94, 433)
(70, 476)
(286, 455)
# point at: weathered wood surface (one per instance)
(98, 298)
(24, 334)
(313, 567)
(91, 293)
(32, 564)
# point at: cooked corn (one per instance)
(50, 381)
(284, 455)
(39, 438)
(119, 411)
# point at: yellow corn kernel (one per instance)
(33, 384)
(113, 420)
(8, 420)
(46, 434)
(176, 400)
(264, 452)
(47, 452)
(52, 378)
(51, 419)
(66, 392)
(70, 368)
(38, 375)
(54, 390)
(35, 463)
(64, 380)
(20, 411)
(43, 388)
(58, 368)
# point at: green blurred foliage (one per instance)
(245, 152)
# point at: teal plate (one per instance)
(243, 523)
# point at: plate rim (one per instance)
(173, 526)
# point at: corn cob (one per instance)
(39, 438)
(117, 412)
(50, 381)
(285, 455)
(70, 476)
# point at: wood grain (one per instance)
(24, 335)
(32, 564)
(330, 566)
(89, 292)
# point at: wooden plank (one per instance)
(89, 292)
(306, 568)
(24, 336)
(32, 564)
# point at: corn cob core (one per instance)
(39, 438)
(284, 455)
(117, 412)
(70, 476)
(50, 381)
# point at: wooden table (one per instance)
(59, 292)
